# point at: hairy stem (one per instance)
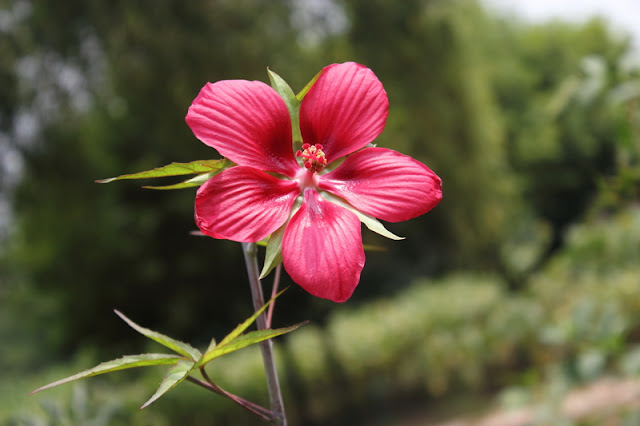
(275, 395)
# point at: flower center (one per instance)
(313, 156)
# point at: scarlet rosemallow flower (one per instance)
(319, 206)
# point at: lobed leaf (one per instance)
(182, 348)
(245, 340)
(128, 361)
(242, 327)
(176, 169)
(173, 377)
(236, 332)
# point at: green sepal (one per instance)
(181, 348)
(300, 96)
(128, 361)
(173, 377)
(369, 221)
(273, 255)
(177, 169)
(291, 101)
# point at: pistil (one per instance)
(313, 157)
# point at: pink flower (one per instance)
(272, 186)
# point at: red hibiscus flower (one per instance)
(319, 206)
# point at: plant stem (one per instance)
(275, 396)
(254, 408)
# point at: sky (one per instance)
(622, 14)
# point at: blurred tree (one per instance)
(552, 82)
(92, 89)
(492, 107)
(432, 57)
(87, 248)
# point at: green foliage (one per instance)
(441, 337)
(292, 102)
(188, 358)
(184, 349)
(273, 253)
(553, 81)
(525, 124)
(236, 340)
(71, 262)
(127, 361)
(469, 96)
(437, 74)
(204, 169)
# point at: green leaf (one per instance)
(236, 332)
(292, 102)
(173, 377)
(176, 169)
(129, 361)
(242, 327)
(273, 256)
(245, 340)
(300, 96)
(183, 349)
(369, 221)
(195, 181)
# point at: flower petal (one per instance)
(344, 110)
(246, 122)
(322, 249)
(385, 184)
(243, 204)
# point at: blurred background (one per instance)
(519, 293)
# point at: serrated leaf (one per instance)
(182, 348)
(300, 96)
(242, 327)
(175, 169)
(173, 377)
(293, 104)
(245, 340)
(129, 361)
(369, 221)
(189, 183)
(237, 331)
